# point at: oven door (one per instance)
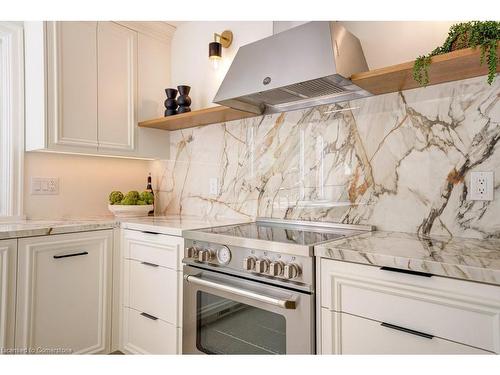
(225, 314)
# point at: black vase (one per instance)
(184, 101)
(170, 102)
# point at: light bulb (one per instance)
(215, 62)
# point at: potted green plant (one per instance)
(482, 34)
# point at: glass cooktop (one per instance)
(292, 234)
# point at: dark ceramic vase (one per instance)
(170, 102)
(184, 101)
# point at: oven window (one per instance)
(228, 327)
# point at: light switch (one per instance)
(44, 186)
(36, 186)
(213, 186)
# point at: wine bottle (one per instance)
(149, 188)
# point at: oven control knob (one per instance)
(262, 265)
(205, 255)
(291, 271)
(276, 268)
(192, 252)
(249, 263)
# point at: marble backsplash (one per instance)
(399, 161)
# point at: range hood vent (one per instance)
(304, 66)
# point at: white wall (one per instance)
(190, 63)
(392, 42)
(384, 43)
(84, 183)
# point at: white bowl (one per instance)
(121, 210)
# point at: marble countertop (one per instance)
(31, 228)
(461, 258)
(170, 225)
(174, 225)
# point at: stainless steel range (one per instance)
(249, 288)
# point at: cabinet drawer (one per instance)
(456, 310)
(154, 248)
(143, 335)
(153, 289)
(347, 334)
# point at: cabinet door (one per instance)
(153, 78)
(8, 253)
(64, 293)
(116, 97)
(72, 85)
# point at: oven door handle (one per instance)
(283, 303)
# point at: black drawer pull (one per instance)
(407, 330)
(149, 264)
(146, 315)
(148, 232)
(416, 273)
(70, 255)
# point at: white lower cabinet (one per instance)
(64, 293)
(151, 293)
(368, 310)
(356, 335)
(8, 254)
(143, 334)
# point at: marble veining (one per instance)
(31, 228)
(398, 161)
(171, 225)
(462, 258)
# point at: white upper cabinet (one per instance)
(116, 94)
(72, 85)
(153, 71)
(152, 82)
(89, 83)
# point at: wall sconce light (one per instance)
(215, 48)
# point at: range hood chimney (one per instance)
(301, 67)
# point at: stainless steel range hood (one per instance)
(302, 67)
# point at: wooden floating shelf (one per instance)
(206, 116)
(453, 66)
(448, 67)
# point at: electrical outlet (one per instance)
(44, 186)
(482, 185)
(213, 186)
